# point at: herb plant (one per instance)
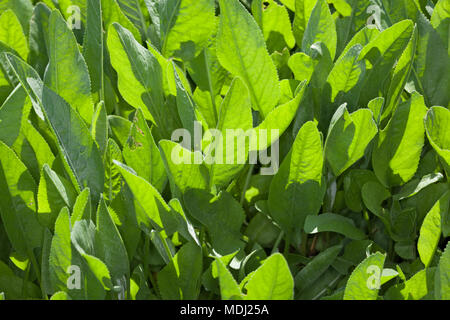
(346, 103)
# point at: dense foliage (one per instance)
(94, 206)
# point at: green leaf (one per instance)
(348, 137)
(320, 28)
(180, 279)
(66, 67)
(99, 127)
(353, 183)
(303, 10)
(22, 8)
(396, 155)
(221, 215)
(380, 55)
(344, 81)
(136, 13)
(431, 65)
(38, 38)
(401, 75)
(184, 168)
(235, 114)
(61, 296)
(365, 280)
(12, 35)
(229, 289)
(93, 48)
(107, 237)
(272, 281)
(276, 27)
(306, 277)
(112, 13)
(82, 207)
(330, 222)
(18, 205)
(146, 197)
(299, 177)
(142, 154)
(186, 26)
(419, 286)
(431, 229)
(437, 122)
(54, 193)
(440, 20)
(139, 73)
(81, 155)
(15, 108)
(242, 51)
(442, 281)
(113, 180)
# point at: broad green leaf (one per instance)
(142, 154)
(242, 51)
(296, 190)
(320, 28)
(345, 79)
(415, 186)
(365, 280)
(13, 287)
(81, 155)
(107, 237)
(229, 289)
(431, 230)
(66, 67)
(279, 119)
(276, 27)
(113, 180)
(23, 72)
(348, 137)
(431, 65)
(401, 75)
(136, 12)
(442, 281)
(112, 13)
(38, 39)
(82, 207)
(362, 37)
(226, 154)
(54, 193)
(353, 183)
(93, 48)
(315, 269)
(146, 196)
(120, 128)
(15, 108)
(302, 66)
(60, 296)
(184, 168)
(23, 9)
(373, 195)
(419, 286)
(180, 279)
(18, 205)
(437, 122)
(331, 222)
(440, 20)
(396, 155)
(303, 10)
(186, 26)
(272, 281)
(187, 109)
(221, 215)
(12, 35)
(99, 127)
(139, 73)
(67, 270)
(33, 149)
(380, 55)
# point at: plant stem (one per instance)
(247, 182)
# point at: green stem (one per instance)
(247, 183)
(277, 242)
